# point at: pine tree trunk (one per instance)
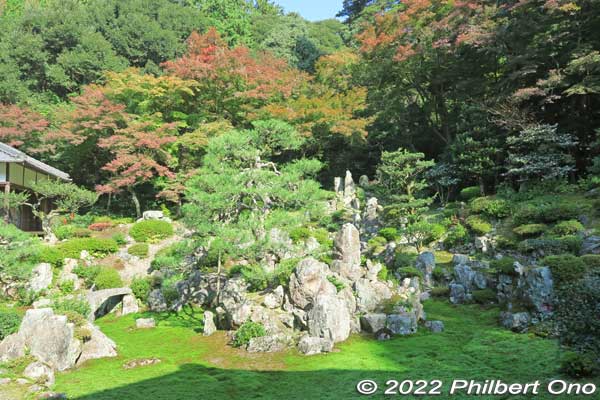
(136, 202)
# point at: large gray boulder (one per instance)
(310, 345)
(269, 343)
(373, 322)
(517, 322)
(370, 294)
(347, 253)
(274, 299)
(435, 326)
(50, 338)
(539, 289)
(99, 346)
(130, 305)
(329, 318)
(12, 347)
(39, 372)
(426, 264)
(309, 281)
(41, 277)
(156, 301)
(145, 323)
(402, 324)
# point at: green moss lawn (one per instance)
(196, 367)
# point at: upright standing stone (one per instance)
(209, 323)
(347, 253)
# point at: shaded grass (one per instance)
(193, 366)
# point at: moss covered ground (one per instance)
(197, 367)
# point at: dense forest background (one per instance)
(126, 95)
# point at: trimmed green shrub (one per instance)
(404, 260)
(491, 207)
(506, 243)
(141, 288)
(436, 232)
(376, 242)
(108, 278)
(470, 192)
(571, 243)
(530, 230)
(247, 331)
(139, 250)
(151, 230)
(75, 305)
(67, 287)
(570, 227)
(478, 225)
(9, 323)
(390, 234)
(592, 262)
(565, 268)
(88, 274)
(457, 235)
(97, 247)
(51, 255)
(578, 365)
(551, 246)
(576, 315)
(169, 288)
(546, 211)
(484, 296)
(171, 258)
(119, 238)
(64, 232)
(410, 272)
(505, 266)
(300, 234)
(440, 291)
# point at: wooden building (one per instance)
(18, 173)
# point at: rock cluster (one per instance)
(53, 341)
(467, 276)
(322, 305)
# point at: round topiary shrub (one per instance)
(390, 234)
(570, 227)
(139, 250)
(484, 296)
(470, 192)
(578, 365)
(505, 266)
(151, 230)
(247, 331)
(491, 207)
(141, 288)
(97, 247)
(565, 268)
(530, 230)
(478, 225)
(457, 235)
(108, 278)
(9, 323)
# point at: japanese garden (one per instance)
(223, 199)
